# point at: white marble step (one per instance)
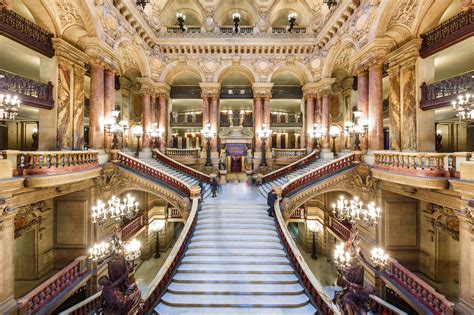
(265, 219)
(241, 238)
(235, 252)
(236, 288)
(223, 300)
(243, 206)
(273, 260)
(234, 226)
(239, 268)
(221, 231)
(233, 244)
(235, 278)
(163, 309)
(229, 214)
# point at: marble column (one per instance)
(375, 108)
(78, 108)
(257, 121)
(147, 119)
(109, 101)
(205, 111)
(96, 116)
(309, 120)
(64, 105)
(125, 91)
(466, 266)
(394, 108)
(214, 120)
(163, 119)
(363, 101)
(7, 272)
(317, 110)
(325, 120)
(408, 119)
(267, 120)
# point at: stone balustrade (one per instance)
(379, 306)
(287, 156)
(85, 307)
(419, 289)
(174, 213)
(132, 227)
(53, 287)
(177, 30)
(342, 231)
(299, 213)
(242, 29)
(51, 162)
(184, 156)
(296, 29)
(181, 167)
(291, 167)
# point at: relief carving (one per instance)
(29, 217)
(443, 219)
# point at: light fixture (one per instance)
(156, 226)
(115, 127)
(132, 251)
(334, 132)
(236, 19)
(155, 134)
(137, 132)
(330, 3)
(314, 226)
(143, 3)
(115, 209)
(464, 107)
(342, 258)
(353, 211)
(439, 139)
(264, 134)
(34, 135)
(208, 132)
(9, 107)
(181, 18)
(316, 133)
(378, 257)
(99, 252)
(292, 19)
(357, 128)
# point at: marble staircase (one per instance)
(235, 264)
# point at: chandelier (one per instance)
(265, 132)
(378, 257)
(100, 251)
(464, 107)
(143, 3)
(354, 212)
(9, 107)
(343, 258)
(132, 250)
(115, 209)
(115, 127)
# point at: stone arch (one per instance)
(133, 57)
(339, 56)
(174, 68)
(298, 69)
(43, 16)
(247, 9)
(299, 8)
(242, 69)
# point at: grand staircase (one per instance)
(235, 263)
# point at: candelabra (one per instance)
(343, 258)
(354, 212)
(137, 132)
(236, 19)
(334, 132)
(464, 107)
(264, 134)
(181, 18)
(9, 107)
(132, 251)
(292, 19)
(156, 226)
(378, 257)
(208, 133)
(357, 128)
(34, 135)
(314, 226)
(115, 127)
(316, 133)
(115, 209)
(155, 134)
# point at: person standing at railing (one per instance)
(214, 187)
(271, 198)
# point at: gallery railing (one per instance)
(177, 30)
(242, 29)
(296, 30)
(291, 167)
(132, 227)
(181, 167)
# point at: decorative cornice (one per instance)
(262, 89)
(68, 52)
(373, 54)
(100, 54)
(210, 89)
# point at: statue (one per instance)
(222, 161)
(248, 160)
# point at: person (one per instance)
(271, 198)
(201, 185)
(214, 187)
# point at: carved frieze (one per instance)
(443, 218)
(29, 217)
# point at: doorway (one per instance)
(236, 164)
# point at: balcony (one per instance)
(282, 30)
(454, 30)
(440, 94)
(189, 29)
(192, 119)
(242, 29)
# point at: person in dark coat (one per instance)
(201, 185)
(214, 188)
(271, 198)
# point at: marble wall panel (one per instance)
(394, 111)
(63, 104)
(408, 127)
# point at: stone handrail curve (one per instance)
(84, 307)
(181, 167)
(132, 227)
(382, 307)
(278, 153)
(322, 170)
(143, 168)
(158, 285)
(291, 167)
(314, 289)
(193, 153)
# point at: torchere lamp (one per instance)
(156, 226)
(292, 19)
(137, 132)
(316, 133)
(357, 128)
(264, 134)
(314, 226)
(115, 127)
(181, 18)
(236, 18)
(155, 134)
(334, 132)
(208, 133)
(132, 251)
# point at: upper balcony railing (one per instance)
(291, 167)
(440, 94)
(30, 92)
(177, 30)
(454, 30)
(181, 167)
(283, 29)
(27, 33)
(286, 119)
(194, 119)
(287, 156)
(242, 29)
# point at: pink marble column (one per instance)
(394, 108)
(363, 102)
(146, 123)
(96, 117)
(409, 128)
(309, 120)
(257, 121)
(317, 110)
(214, 120)
(205, 111)
(78, 108)
(375, 108)
(109, 101)
(163, 120)
(325, 120)
(267, 119)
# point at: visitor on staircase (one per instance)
(214, 187)
(271, 198)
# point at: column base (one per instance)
(464, 307)
(326, 154)
(369, 158)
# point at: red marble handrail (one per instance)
(143, 168)
(132, 227)
(298, 214)
(181, 167)
(418, 288)
(327, 169)
(339, 229)
(291, 167)
(54, 286)
(54, 162)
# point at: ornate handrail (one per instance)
(379, 306)
(422, 291)
(27, 33)
(144, 168)
(339, 229)
(291, 167)
(448, 33)
(177, 29)
(132, 227)
(158, 286)
(289, 153)
(416, 163)
(183, 153)
(295, 30)
(30, 92)
(55, 162)
(442, 93)
(313, 288)
(54, 286)
(242, 29)
(317, 173)
(85, 307)
(181, 167)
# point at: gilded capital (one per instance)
(210, 89)
(262, 89)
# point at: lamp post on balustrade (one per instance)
(115, 127)
(155, 134)
(137, 132)
(208, 134)
(156, 226)
(315, 227)
(357, 128)
(334, 132)
(264, 134)
(316, 133)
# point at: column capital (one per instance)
(100, 54)
(324, 86)
(162, 89)
(210, 89)
(405, 55)
(68, 53)
(125, 83)
(310, 90)
(146, 85)
(262, 89)
(373, 54)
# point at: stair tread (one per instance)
(240, 288)
(236, 268)
(235, 278)
(163, 309)
(235, 251)
(236, 259)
